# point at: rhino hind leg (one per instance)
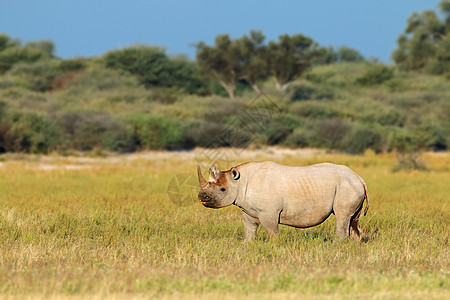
(342, 227)
(347, 208)
(355, 227)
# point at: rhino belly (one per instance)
(306, 213)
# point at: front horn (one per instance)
(201, 180)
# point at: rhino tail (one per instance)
(367, 197)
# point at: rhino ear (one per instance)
(215, 170)
(213, 173)
(235, 173)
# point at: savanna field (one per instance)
(104, 227)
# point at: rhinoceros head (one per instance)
(221, 189)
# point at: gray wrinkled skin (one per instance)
(270, 194)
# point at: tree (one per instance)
(425, 45)
(221, 62)
(230, 61)
(290, 57)
(12, 52)
(6, 41)
(253, 53)
(47, 47)
(148, 63)
(325, 56)
(155, 69)
(348, 54)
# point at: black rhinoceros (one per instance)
(270, 194)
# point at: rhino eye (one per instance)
(223, 189)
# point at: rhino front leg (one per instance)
(250, 226)
(270, 222)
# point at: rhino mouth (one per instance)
(209, 204)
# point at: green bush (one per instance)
(438, 138)
(320, 77)
(376, 75)
(101, 79)
(74, 64)
(328, 133)
(31, 133)
(313, 110)
(298, 138)
(211, 135)
(348, 54)
(279, 128)
(37, 76)
(148, 131)
(88, 131)
(13, 55)
(213, 87)
(223, 111)
(300, 92)
(383, 115)
(41, 75)
(7, 42)
(154, 69)
(358, 139)
(408, 140)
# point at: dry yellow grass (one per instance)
(104, 227)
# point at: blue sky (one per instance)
(93, 27)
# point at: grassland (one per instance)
(105, 227)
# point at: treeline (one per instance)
(140, 98)
(245, 62)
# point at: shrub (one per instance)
(44, 75)
(313, 110)
(37, 76)
(376, 75)
(215, 88)
(348, 54)
(300, 92)
(279, 128)
(149, 131)
(166, 95)
(89, 130)
(6, 42)
(409, 144)
(437, 138)
(329, 133)
(100, 79)
(383, 115)
(410, 161)
(29, 133)
(211, 135)
(298, 138)
(358, 139)
(154, 69)
(410, 140)
(74, 64)
(46, 46)
(13, 55)
(220, 111)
